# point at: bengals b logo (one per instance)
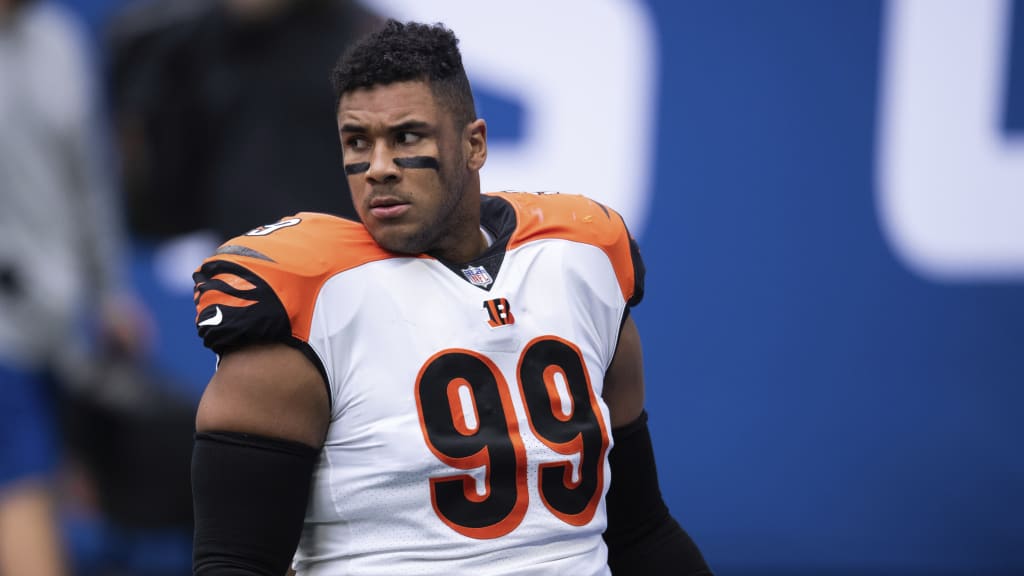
(499, 311)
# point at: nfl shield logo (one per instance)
(478, 276)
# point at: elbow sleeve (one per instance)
(249, 495)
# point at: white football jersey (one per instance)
(468, 434)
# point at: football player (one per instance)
(452, 386)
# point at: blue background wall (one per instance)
(815, 403)
(817, 407)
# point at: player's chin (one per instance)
(403, 238)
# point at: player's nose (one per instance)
(382, 166)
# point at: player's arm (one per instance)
(642, 536)
(259, 429)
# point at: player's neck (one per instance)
(463, 245)
(464, 240)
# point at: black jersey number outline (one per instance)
(562, 412)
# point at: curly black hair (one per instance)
(401, 52)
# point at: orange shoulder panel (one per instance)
(296, 255)
(576, 218)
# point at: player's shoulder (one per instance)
(577, 218)
(262, 286)
(572, 217)
(306, 244)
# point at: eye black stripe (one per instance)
(419, 162)
(415, 162)
(357, 168)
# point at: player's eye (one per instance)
(407, 138)
(357, 143)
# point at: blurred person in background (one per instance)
(59, 260)
(217, 107)
(224, 111)
(64, 305)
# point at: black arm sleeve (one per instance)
(249, 494)
(643, 538)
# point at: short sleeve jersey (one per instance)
(468, 434)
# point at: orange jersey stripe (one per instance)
(216, 297)
(235, 281)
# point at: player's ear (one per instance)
(475, 142)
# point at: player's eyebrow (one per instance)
(352, 128)
(408, 126)
(411, 126)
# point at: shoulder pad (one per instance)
(579, 219)
(262, 286)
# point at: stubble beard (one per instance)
(431, 235)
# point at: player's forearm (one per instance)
(642, 537)
(663, 547)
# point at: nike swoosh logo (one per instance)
(214, 320)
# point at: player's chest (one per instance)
(403, 337)
(474, 397)
(413, 307)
